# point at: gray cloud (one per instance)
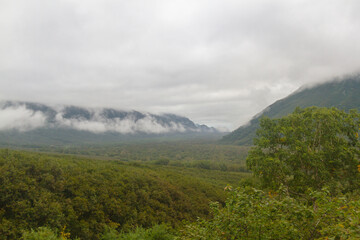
(217, 62)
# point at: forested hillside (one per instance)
(88, 196)
(341, 93)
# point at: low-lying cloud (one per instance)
(19, 117)
(129, 125)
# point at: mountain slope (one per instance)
(34, 123)
(340, 93)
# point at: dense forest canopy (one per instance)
(88, 196)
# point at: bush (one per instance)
(157, 232)
(42, 233)
(254, 214)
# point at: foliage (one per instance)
(313, 147)
(157, 232)
(42, 233)
(309, 164)
(87, 195)
(189, 154)
(254, 214)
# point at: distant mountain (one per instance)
(34, 123)
(341, 93)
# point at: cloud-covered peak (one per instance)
(21, 118)
(25, 116)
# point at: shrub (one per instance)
(254, 214)
(42, 233)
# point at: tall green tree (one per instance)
(312, 147)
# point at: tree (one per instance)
(254, 214)
(42, 233)
(312, 147)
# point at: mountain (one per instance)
(34, 123)
(341, 93)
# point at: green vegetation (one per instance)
(308, 164)
(190, 154)
(256, 214)
(314, 147)
(306, 186)
(89, 195)
(157, 232)
(42, 233)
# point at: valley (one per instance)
(71, 183)
(90, 188)
(179, 120)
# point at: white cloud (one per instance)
(128, 125)
(21, 119)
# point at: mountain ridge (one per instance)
(342, 93)
(28, 122)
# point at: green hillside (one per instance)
(88, 195)
(340, 93)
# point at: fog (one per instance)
(19, 117)
(129, 125)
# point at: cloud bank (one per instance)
(129, 125)
(21, 117)
(217, 62)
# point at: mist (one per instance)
(18, 116)
(129, 125)
(21, 119)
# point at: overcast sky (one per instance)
(218, 62)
